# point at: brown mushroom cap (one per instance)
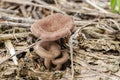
(47, 49)
(53, 27)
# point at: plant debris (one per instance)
(93, 47)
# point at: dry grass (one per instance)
(94, 46)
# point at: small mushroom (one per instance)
(50, 29)
(47, 50)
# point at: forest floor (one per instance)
(93, 48)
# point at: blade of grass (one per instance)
(118, 3)
(113, 4)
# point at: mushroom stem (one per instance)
(47, 63)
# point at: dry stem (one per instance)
(12, 36)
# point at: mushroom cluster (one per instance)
(49, 30)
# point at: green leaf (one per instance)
(113, 4)
(118, 6)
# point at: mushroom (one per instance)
(50, 29)
(47, 50)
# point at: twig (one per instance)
(16, 19)
(33, 4)
(95, 6)
(14, 35)
(15, 24)
(71, 52)
(116, 23)
(26, 22)
(96, 14)
(11, 36)
(71, 56)
(8, 11)
(23, 11)
(84, 22)
(11, 49)
(7, 58)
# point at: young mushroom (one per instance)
(47, 50)
(50, 29)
